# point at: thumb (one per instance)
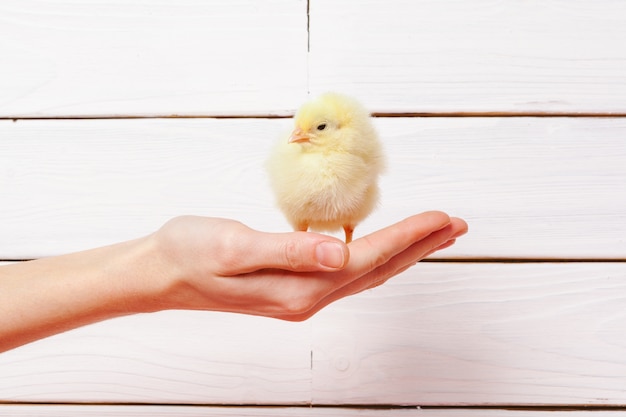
(296, 251)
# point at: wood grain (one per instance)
(530, 188)
(171, 357)
(144, 58)
(479, 56)
(139, 57)
(450, 334)
(440, 334)
(472, 334)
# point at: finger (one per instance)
(296, 251)
(423, 233)
(437, 241)
(410, 265)
(441, 247)
(378, 248)
(440, 239)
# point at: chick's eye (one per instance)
(321, 126)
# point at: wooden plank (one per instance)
(172, 357)
(442, 334)
(199, 411)
(479, 56)
(62, 58)
(74, 184)
(140, 58)
(478, 334)
(534, 188)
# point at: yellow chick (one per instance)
(324, 175)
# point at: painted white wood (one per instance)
(140, 57)
(454, 55)
(135, 58)
(480, 334)
(529, 187)
(199, 411)
(173, 357)
(442, 333)
(80, 183)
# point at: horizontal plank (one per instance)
(452, 55)
(199, 411)
(441, 334)
(61, 58)
(169, 357)
(529, 187)
(220, 57)
(481, 334)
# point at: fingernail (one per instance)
(330, 254)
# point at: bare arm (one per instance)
(202, 263)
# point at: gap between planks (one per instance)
(504, 260)
(503, 407)
(288, 115)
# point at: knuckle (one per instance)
(298, 309)
(298, 305)
(377, 258)
(228, 252)
(293, 255)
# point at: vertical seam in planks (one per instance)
(308, 26)
(308, 47)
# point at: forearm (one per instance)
(51, 295)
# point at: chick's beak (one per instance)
(298, 136)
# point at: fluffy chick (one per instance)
(324, 175)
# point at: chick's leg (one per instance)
(348, 229)
(301, 227)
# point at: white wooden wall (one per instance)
(117, 115)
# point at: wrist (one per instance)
(146, 277)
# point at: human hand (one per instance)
(223, 265)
